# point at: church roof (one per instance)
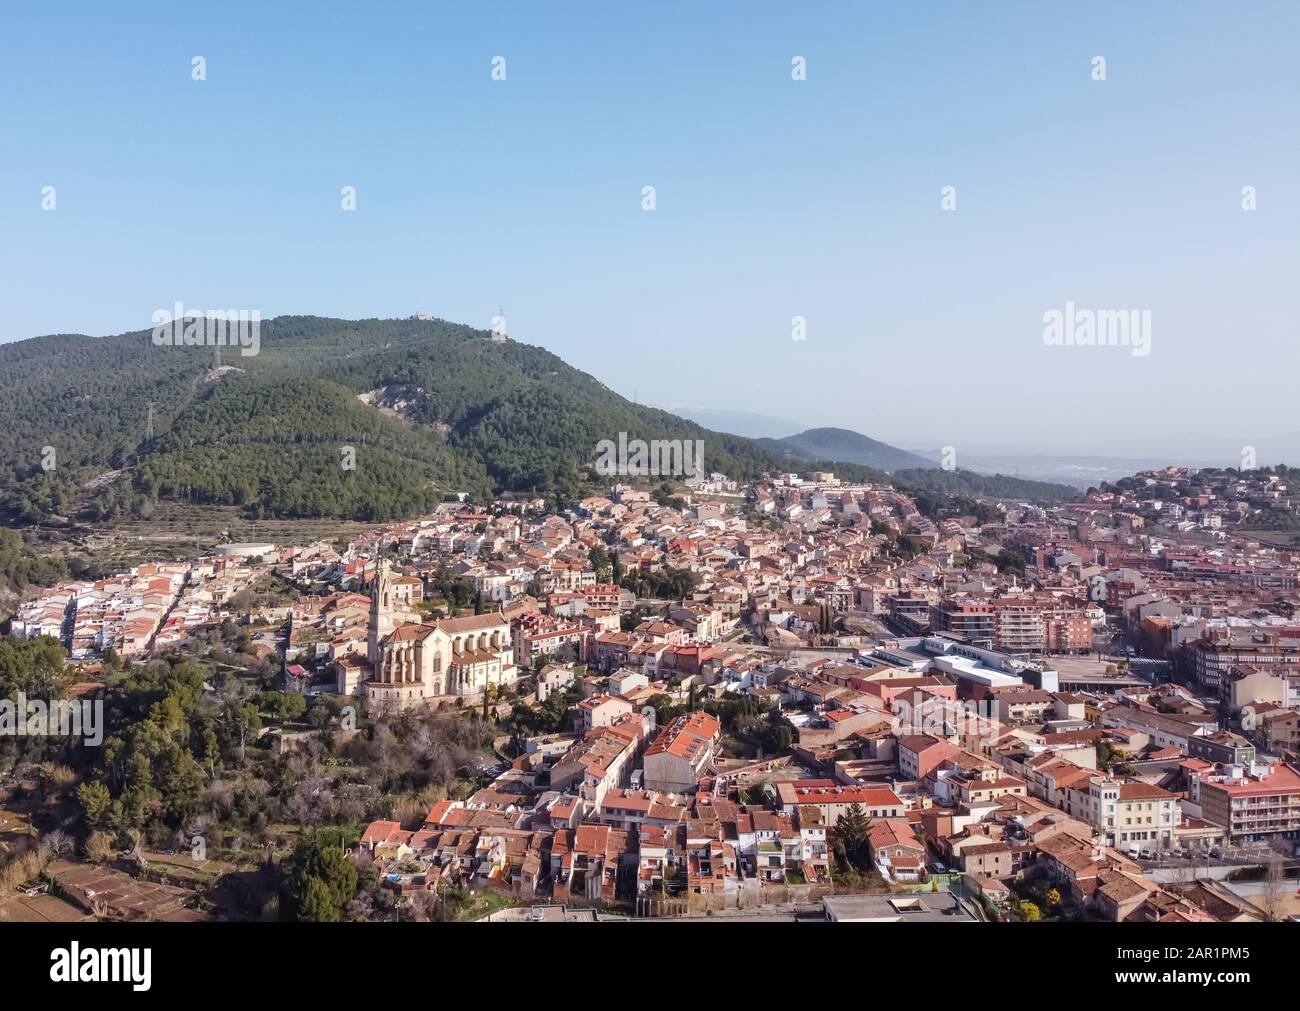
(473, 656)
(410, 632)
(471, 623)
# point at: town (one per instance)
(777, 465)
(796, 697)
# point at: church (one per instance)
(415, 662)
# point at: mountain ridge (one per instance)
(848, 446)
(273, 430)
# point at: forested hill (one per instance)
(445, 409)
(849, 447)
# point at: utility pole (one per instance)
(149, 423)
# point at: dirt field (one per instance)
(117, 895)
(183, 870)
(40, 909)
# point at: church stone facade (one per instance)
(415, 662)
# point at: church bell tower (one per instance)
(381, 610)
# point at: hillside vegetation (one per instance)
(428, 409)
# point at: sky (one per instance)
(774, 198)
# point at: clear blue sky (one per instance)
(775, 198)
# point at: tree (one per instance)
(1029, 912)
(244, 722)
(34, 666)
(317, 904)
(851, 832)
(57, 843)
(665, 709)
(755, 793)
(96, 802)
(322, 881)
(1011, 561)
(601, 564)
(19, 567)
(1273, 897)
(285, 705)
(1106, 755)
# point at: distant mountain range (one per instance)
(370, 419)
(908, 471)
(849, 447)
(1079, 470)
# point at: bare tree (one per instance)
(1184, 872)
(1272, 898)
(57, 844)
(423, 907)
(361, 907)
